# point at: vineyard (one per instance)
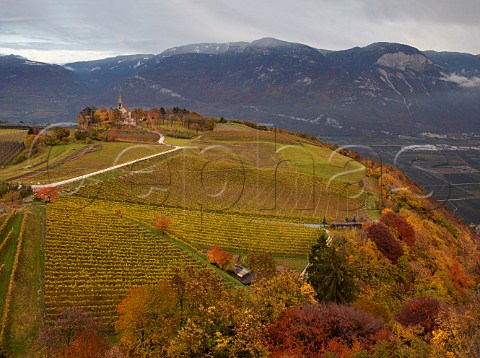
(93, 257)
(12, 135)
(11, 235)
(191, 181)
(96, 251)
(231, 231)
(12, 141)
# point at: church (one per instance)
(125, 114)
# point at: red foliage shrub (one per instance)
(220, 258)
(315, 328)
(386, 243)
(400, 226)
(419, 311)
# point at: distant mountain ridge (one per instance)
(384, 87)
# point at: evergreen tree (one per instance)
(329, 273)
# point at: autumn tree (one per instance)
(196, 127)
(461, 280)
(399, 226)
(151, 316)
(458, 331)
(148, 319)
(90, 343)
(74, 328)
(82, 121)
(386, 243)
(421, 311)
(215, 321)
(313, 329)
(48, 194)
(262, 264)
(270, 296)
(56, 135)
(138, 113)
(220, 258)
(329, 273)
(162, 223)
(114, 116)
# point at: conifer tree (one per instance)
(329, 273)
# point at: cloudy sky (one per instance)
(60, 31)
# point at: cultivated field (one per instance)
(94, 256)
(12, 135)
(234, 179)
(69, 160)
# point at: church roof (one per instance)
(120, 99)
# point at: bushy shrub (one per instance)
(399, 225)
(421, 311)
(316, 328)
(386, 243)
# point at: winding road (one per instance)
(81, 177)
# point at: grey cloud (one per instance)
(462, 81)
(151, 26)
(445, 12)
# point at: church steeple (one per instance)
(120, 105)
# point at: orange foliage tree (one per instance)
(149, 318)
(89, 344)
(220, 258)
(162, 223)
(48, 195)
(461, 280)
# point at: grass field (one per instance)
(91, 264)
(54, 163)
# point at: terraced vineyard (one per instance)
(96, 251)
(231, 231)
(93, 257)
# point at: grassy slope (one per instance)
(110, 153)
(50, 156)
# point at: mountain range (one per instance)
(383, 87)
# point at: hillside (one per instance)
(383, 87)
(106, 263)
(33, 91)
